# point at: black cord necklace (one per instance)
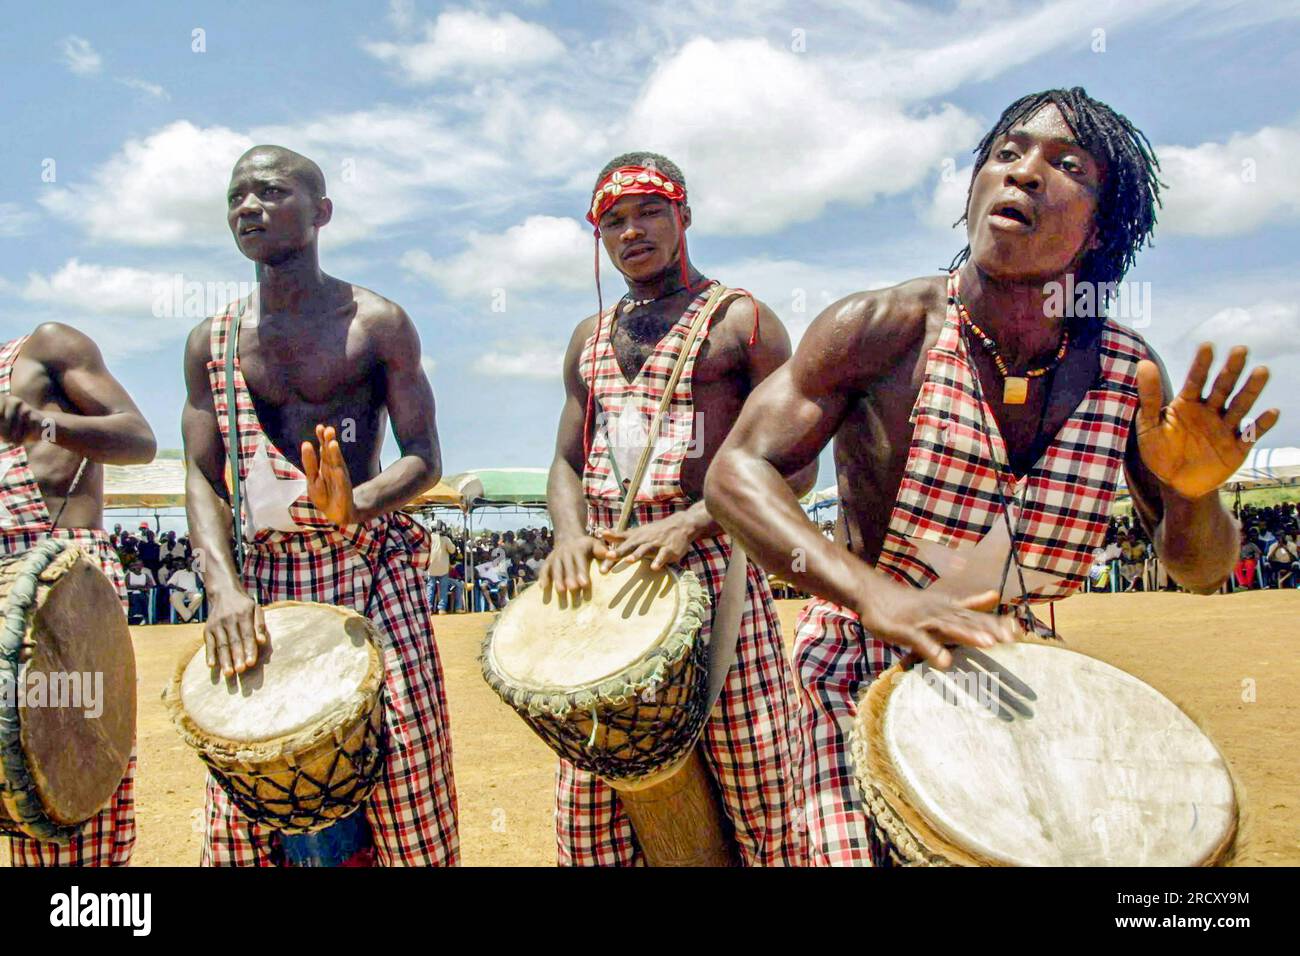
(1023, 611)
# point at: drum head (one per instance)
(313, 667)
(1100, 769)
(78, 744)
(563, 642)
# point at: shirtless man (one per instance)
(63, 416)
(629, 354)
(946, 433)
(322, 365)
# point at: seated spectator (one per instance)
(139, 582)
(186, 590)
(534, 562)
(1249, 558)
(491, 577)
(1099, 574)
(1281, 560)
(1132, 560)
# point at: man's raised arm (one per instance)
(411, 409)
(785, 424)
(107, 426)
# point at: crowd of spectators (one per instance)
(163, 580)
(502, 564)
(164, 583)
(1270, 545)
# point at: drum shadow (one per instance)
(977, 677)
(640, 588)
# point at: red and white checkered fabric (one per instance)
(748, 742)
(412, 811)
(949, 495)
(107, 838)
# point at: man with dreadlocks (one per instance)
(975, 423)
(616, 372)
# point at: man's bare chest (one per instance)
(283, 371)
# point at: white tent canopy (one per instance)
(159, 484)
(1268, 466)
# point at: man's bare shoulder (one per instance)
(583, 331)
(57, 345)
(377, 313)
(873, 330)
(739, 315)
(198, 344)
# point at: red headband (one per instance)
(631, 181)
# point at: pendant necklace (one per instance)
(1015, 388)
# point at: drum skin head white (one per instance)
(561, 642)
(1103, 771)
(314, 665)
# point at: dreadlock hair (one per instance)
(653, 160)
(1130, 189)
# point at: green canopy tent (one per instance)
(521, 489)
(503, 487)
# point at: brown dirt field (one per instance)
(1206, 654)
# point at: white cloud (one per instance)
(919, 54)
(149, 89)
(769, 138)
(465, 41)
(14, 220)
(382, 164)
(80, 57)
(540, 252)
(401, 13)
(428, 364)
(1268, 328)
(94, 288)
(1224, 189)
(532, 362)
(948, 201)
(126, 311)
(167, 189)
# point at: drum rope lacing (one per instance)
(294, 808)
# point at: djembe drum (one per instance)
(1030, 754)
(615, 681)
(296, 740)
(67, 691)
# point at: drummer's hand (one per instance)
(1193, 444)
(565, 568)
(923, 622)
(667, 540)
(18, 420)
(234, 630)
(328, 483)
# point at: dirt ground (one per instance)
(1230, 661)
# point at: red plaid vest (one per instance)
(949, 490)
(623, 414)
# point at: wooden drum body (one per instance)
(615, 681)
(1029, 754)
(67, 691)
(296, 741)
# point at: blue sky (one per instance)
(826, 146)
